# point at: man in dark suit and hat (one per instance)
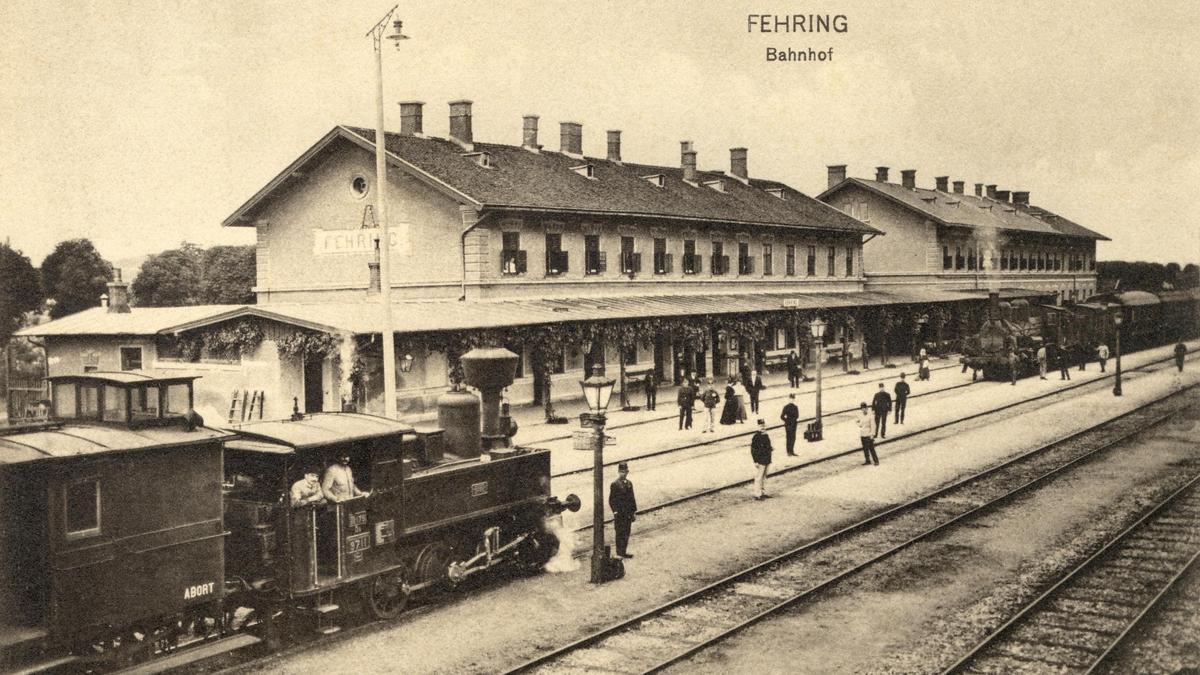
(624, 507)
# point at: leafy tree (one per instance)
(170, 278)
(228, 275)
(20, 290)
(74, 276)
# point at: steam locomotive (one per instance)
(1074, 331)
(128, 529)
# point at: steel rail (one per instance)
(1072, 575)
(870, 521)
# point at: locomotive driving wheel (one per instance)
(432, 563)
(385, 596)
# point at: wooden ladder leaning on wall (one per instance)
(244, 403)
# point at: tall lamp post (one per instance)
(385, 238)
(1117, 325)
(597, 389)
(817, 330)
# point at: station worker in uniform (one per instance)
(882, 405)
(338, 484)
(902, 391)
(307, 490)
(760, 452)
(791, 418)
(623, 503)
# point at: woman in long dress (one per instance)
(740, 393)
(729, 411)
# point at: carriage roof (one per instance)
(47, 442)
(313, 430)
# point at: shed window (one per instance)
(131, 358)
(81, 508)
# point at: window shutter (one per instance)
(637, 262)
(602, 261)
(667, 266)
(699, 262)
(724, 264)
(550, 262)
(522, 261)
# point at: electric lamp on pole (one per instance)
(385, 239)
(817, 330)
(1117, 325)
(597, 390)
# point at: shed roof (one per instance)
(521, 180)
(964, 210)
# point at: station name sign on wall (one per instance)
(360, 241)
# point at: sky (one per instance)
(148, 123)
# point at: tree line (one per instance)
(74, 276)
(1146, 276)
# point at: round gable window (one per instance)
(359, 186)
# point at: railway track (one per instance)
(846, 453)
(685, 626)
(1081, 620)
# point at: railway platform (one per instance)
(694, 543)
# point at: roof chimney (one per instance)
(908, 178)
(571, 138)
(979, 189)
(118, 294)
(837, 174)
(943, 183)
(529, 133)
(460, 121)
(958, 187)
(737, 163)
(1021, 198)
(411, 118)
(688, 162)
(991, 191)
(1002, 196)
(881, 174)
(614, 145)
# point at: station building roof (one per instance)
(964, 210)
(419, 316)
(517, 179)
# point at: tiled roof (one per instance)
(964, 210)
(519, 179)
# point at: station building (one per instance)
(946, 238)
(568, 260)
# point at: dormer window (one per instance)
(483, 159)
(586, 170)
(718, 184)
(657, 180)
(777, 192)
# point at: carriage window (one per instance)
(177, 399)
(114, 404)
(89, 401)
(145, 403)
(64, 400)
(81, 508)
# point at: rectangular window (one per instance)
(512, 258)
(178, 400)
(691, 261)
(812, 261)
(831, 262)
(131, 358)
(718, 258)
(971, 258)
(631, 261)
(89, 401)
(745, 262)
(1091, 264)
(594, 262)
(959, 261)
(662, 259)
(64, 400)
(947, 261)
(768, 261)
(556, 258)
(81, 508)
(1023, 261)
(790, 260)
(1004, 260)
(145, 403)
(849, 261)
(115, 409)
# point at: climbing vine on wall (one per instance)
(304, 344)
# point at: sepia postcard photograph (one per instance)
(553, 337)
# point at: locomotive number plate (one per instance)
(479, 489)
(358, 543)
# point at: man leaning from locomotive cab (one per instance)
(338, 484)
(307, 490)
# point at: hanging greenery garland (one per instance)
(302, 344)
